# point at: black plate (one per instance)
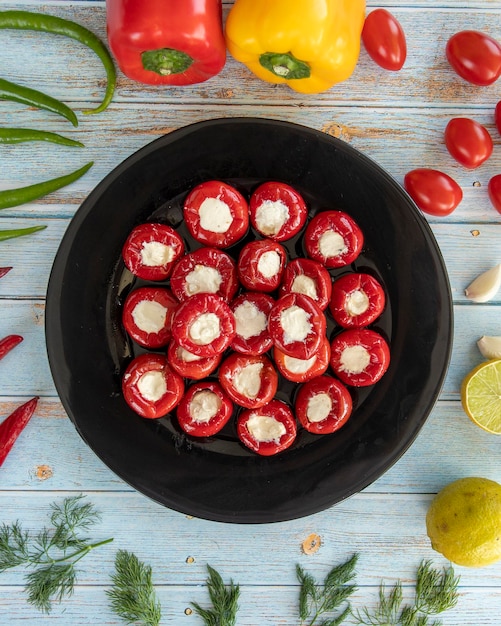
(218, 478)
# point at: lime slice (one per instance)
(481, 396)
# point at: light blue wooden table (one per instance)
(397, 119)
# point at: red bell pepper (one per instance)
(167, 42)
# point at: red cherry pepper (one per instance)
(190, 365)
(147, 316)
(216, 214)
(151, 250)
(250, 381)
(301, 370)
(9, 343)
(277, 211)
(309, 277)
(261, 264)
(204, 410)
(251, 310)
(359, 357)
(167, 42)
(13, 425)
(205, 270)
(333, 238)
(323, 405)
(150, 387)
(357, 300)
(267, 430)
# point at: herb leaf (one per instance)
(224, 601)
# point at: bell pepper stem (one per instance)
(166, 61)
(285, 65)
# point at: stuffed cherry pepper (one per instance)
(250, 381)
(150, 387)
(308, 277)
(147, 316)
(204, 409)
(216, 214)
(261, 264)
(333, 238)
(357, 300)
(205, 270)
(297, 325)
(189, 365)
(151, 250)
(251, 310)
(301, 370)
(359, 356)
(323, 405)
(204, 325)
(267, 430)
(277, 211)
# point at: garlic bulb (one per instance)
(485, 286)
(490, 347)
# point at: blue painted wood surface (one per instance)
(396, 118)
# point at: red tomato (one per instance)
(333, 238)
(495, 192)
(151, 250)
(301, 370)
(433, 191)
(216, 214)
(277, 211)
(475, 56)
(147, 316)
(268, 429)
(250, 381)
(204, 325)
(309, 277)
(357, 300)
(384, 39)
(204, 410)
(468, 142)
(497, 116)
(323, 405)
(297, 325)
(261, 264)
(150, 387)
(251, 311)
(190, 365)
(206, 270)
(359, 356)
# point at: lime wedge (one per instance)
(481, 396)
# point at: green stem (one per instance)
(166, 61)
(79, 554)
(285, 65)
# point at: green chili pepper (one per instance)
(21, 195)
(32, 97)
(19, 135)
(27, 20)
(19, 232)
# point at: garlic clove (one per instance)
(485, 286)
(490, 347)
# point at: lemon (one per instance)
(481, 396)
(464, 522)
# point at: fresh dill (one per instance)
(224, 601)
(52, 553)
(133, 596)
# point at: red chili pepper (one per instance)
(12, 426)
(4, 270)
(167, 42)
(8, 343)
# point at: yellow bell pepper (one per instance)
(309, 44)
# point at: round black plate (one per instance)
(218, 478)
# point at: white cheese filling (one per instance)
(357, 303)
(355, 359)
(204, 406)
(149, 316)
(250, 320)
(186, 355)
(215, 215)
(318, 408)
(305, 285)
(265, 428)
(203, 279)
(331, 243)
(247, 381)
(155, 253)
(299, 366)
(152, 385)
(295, 324)
(271, 215)
(205, 328)
(268, 264)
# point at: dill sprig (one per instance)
(52, 553)
(224, 601)
(133, 596)
(316, 600)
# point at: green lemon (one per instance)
(464, 522)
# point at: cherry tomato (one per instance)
(323, 405)
(251, 310)
(150, 387)
(359, 356)
(384, 39)
(357, 300)
(216, 214)
(497, 116)
(147, 316)
(495, 192)
(468, 142)
(250, 381)
(267, 430)
(277, 211)
(475, 56)
(333, 238)
(204, 409)
(261, 264)
(189, 365)
(433, 191)
(309, 277)
(301, 370)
